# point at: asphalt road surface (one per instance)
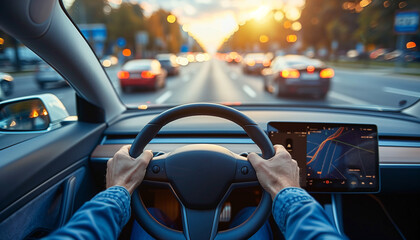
(217, 81)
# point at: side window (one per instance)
(23, 73)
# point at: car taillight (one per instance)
(123, 74)
(310, 69)
(250, 63)
(290, 73)
(147, 74)
(327, 73)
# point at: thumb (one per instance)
(254, 159)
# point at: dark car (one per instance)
(255, 63)
(144, 73)
(298, 75)
(46, 76)
(168, 62)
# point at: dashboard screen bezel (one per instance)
(294, 125)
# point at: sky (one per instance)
(210, 22)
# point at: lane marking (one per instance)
(401, 92)
(163, 97)
(348, 99)
(248, 90)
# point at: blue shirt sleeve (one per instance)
(300, 216)
(103, 217)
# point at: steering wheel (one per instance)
(202, 176)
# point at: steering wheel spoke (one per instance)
(156, 170)
(245, 173)
(199, 223)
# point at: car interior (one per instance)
(199, 177)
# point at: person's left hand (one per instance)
(125, 171)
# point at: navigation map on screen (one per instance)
(331, 157)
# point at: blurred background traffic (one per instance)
(323, 52)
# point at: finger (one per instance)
(279, 148)
(254, 159)
(125, 148)
(145, 158)
(146, 154)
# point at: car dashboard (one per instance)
(385, 214)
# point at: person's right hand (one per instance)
(276, 173)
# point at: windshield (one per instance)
(332, 53)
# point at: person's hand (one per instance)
(276, 173)
(125, 171)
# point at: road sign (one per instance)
(94, 32)
(121, 42)
(142, 38)
(184, 48)
(406, 22)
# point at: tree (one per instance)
(125, 22)
(164, 36)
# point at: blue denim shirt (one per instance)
(298, 215)
(103, 217)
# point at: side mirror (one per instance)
(32, 113)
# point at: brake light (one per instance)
(327, 73)
(147, 74)
(310, 69)
(123, 75)
(251, 63)
(290, 73)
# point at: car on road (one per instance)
(6, 84)
(142, 73)
(233, 57)
(298, 75)
(254, 63)
(169, 63)
(46, 76)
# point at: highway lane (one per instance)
(217, 81)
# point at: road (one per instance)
(217, 81)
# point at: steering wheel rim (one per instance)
(263, 210)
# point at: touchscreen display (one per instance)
(331, 157)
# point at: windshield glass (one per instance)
(335, 53)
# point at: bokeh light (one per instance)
(296, 26)
(278, 16)
(292, 13)
(171, 18)
(291, 38)
(264, 38)
(126, 52)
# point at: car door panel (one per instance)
(33, 167)
(46, 212)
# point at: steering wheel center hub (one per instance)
(201, 174)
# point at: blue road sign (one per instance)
(184, 48)
(121, 42)
(406, 22)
